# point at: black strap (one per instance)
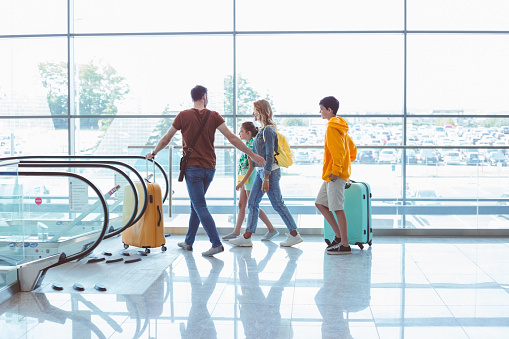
(191, 147)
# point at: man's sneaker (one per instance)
(291, 240)
(270, 235)
(335, 242)
(339, 249)
(212, 251)
(185, 246)
(241, 241)
(230, 236)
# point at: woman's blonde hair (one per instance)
(266, 115)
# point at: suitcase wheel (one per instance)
(370, 242)
(147, 250)
(361, 246)
(163, 248)
(126, 246)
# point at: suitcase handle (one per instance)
(160, 216)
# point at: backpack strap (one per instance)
(191, 146)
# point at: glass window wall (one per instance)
(427, 109)
(121, 16)
(33, 17)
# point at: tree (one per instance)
(99, 89)
(54, 78)
(246, 95)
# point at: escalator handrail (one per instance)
(165, 176)
(8, 162)
(134, 217)
(81, 254)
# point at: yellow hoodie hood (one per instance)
(339, 150)
(339, 124)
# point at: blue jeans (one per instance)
(275, 197)
(198, 180)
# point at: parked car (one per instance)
(473, 158)
(411, 156)
(304, 157)
(496, 157)
(388, 156)
(366, 155)
(452, 158)
(429, 197)
(428, 156)
(503, 196)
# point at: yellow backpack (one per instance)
(284, 155)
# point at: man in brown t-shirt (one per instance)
(201, 164)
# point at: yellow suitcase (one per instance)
(148, 232)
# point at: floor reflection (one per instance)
(346, 288)
(199, 323)
(398, 289)
(260, 314)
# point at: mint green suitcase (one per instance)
(358, 215)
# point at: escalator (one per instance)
(56, 211)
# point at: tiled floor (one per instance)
(399, 288)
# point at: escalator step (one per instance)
(90, 261)
(132, 260)
(101, 288)
(57, 287)
(78, 287)
(114, 260)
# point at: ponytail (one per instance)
(250, 127)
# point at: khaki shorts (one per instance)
(332, 195)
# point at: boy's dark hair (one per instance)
(250, 127)
(197, 92)
(330, 102)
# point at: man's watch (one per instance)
(153, 154)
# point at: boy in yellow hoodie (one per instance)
(339, 152)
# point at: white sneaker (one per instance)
(241, 241)
(291, 240)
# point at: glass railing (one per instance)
(136, 166)
(139, 163)
(10, 213)
(55, 228)
(451, 187)
(109, 178)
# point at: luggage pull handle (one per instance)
(349, 183)
(148, 177)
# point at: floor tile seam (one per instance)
(426, 277)
(494, 280)
(489, 275)
(24, 335)
(373, 316)
(455, 317)
(465, 254)
(225, 286)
